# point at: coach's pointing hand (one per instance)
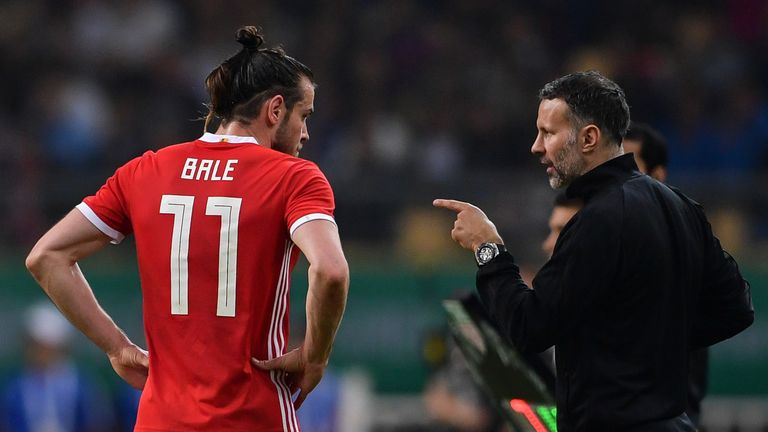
(472, 226)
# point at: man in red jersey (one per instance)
(217, 223)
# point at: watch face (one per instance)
(485, 254)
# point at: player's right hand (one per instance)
(132, 364)
(301, 374)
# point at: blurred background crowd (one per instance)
(417, 99)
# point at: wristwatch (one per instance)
(488, 251)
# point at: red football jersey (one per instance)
(213, 220)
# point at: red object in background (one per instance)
(522, 407)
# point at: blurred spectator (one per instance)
(454, 401)
(649, 148)
(133, 34)
(126, 406)
(411, 93)
(562, 212)
(77, 122)
(49, 393)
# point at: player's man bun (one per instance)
(239, 86)
(249, 37)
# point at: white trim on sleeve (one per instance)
(89, 214)
(310, 217)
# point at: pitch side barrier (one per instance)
(521, 386)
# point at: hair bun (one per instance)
(249, 37)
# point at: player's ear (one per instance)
(274, 107)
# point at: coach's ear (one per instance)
(275, 108)
(589, 138)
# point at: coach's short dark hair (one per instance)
(241, 84)
(653, 146)
(592, 99)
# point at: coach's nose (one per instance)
(538, 146)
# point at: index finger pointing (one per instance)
(449, 204)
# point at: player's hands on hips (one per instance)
(132, 364)
(301, 374)
(472, 226)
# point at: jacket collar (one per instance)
(612, 171)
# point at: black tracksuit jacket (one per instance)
(636, 281)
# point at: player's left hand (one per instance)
(131, 363)
(472, 226)
(301, 374)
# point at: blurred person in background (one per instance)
(50, 393)
(649, 149)
(452, 397)
(623, 321)
(218, 223)
(127, 400)
(562, 212)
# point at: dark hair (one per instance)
(592, 98)
(241, 84)
(562, 200)
(653, 146)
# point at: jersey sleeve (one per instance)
(108, 208)
(309, 197)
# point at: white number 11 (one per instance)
(180, 206)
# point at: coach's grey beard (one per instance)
(567, 164)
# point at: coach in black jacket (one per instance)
(636, 280)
